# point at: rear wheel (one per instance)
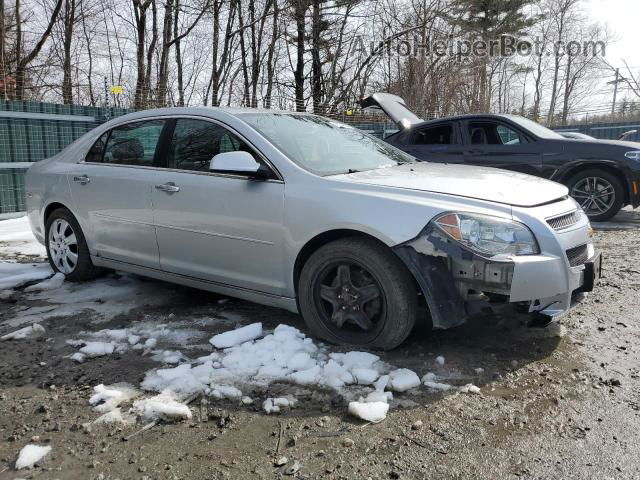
(599, 192)
(357, 292)
(67, 248)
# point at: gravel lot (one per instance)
(560, 402)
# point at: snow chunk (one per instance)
(365, 376)
(151, 343)
(370, 411)
(430, 381)
(30, 455)
(163, 406)
(50, 284)
(439, 360)
(78, 357)
(98, 349)
(167, 356)
(378, 397)
(225, 391)
(273, 405)
(30, 331)
(237, 336)
(115, 416)
(106, 399)
(470, 388)
(403, 379)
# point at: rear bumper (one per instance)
(457, 283)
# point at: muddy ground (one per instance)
(554, 403)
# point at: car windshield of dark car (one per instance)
(324, 146)
(538, 130)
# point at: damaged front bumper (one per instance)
(458, 283)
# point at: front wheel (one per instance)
(356, 292)
(600, 193)
(67, 248)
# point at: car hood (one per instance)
(491, 184)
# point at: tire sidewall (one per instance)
(399, 307)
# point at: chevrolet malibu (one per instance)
(307, 214)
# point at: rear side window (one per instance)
(439, 135)
(196, 142)
(133, 143)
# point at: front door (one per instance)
(222, 228)
(111, 191)
(492, 143)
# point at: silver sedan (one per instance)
(308, 214)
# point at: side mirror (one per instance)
(241, 163)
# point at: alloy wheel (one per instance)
(594, 194)
(350, 300)
(63, 246)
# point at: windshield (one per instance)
(535, 128)
(324, 146)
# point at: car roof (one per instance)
(468, 116)
(204, 111)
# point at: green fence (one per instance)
(32, 131)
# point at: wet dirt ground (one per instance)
(561, 402)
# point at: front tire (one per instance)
(67, 248)
(356, 292)
(599, 192)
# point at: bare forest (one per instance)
(310, 55)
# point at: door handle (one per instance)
(168, 187)
(82, 179)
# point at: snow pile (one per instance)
(161, 407)
(26, 332)
(373, 412)
(430, 380)
(50, 284)
(237, 336)
(14, 275)
(273, 405)
(17, 239)
(30, 455)
(105, 399)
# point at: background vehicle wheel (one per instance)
(600, 193)
(67, 248)
(356, 292)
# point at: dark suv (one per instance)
(602, 175)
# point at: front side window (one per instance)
(97, 149)
(490, 133)
(133, 143)
(324, 146)
(439, 135)
(196, 142)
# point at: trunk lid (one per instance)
(395, 108)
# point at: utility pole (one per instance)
(615, 89)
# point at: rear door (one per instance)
(111, 191)
(218, 227)
(436, 143)
(493, 143)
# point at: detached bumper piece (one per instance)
(458, 283)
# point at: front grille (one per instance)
(564, 221)
(578, 255)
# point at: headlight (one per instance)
(487, 235)
(633, 155)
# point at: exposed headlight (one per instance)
(487, 235)
(633, 155)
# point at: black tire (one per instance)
(371, 265)
(614, 204)
(84, 268)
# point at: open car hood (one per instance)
(482, 183)
(395, 108)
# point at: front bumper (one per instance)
(457, 283)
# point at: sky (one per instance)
(622, 17)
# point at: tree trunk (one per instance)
(3, 73)
(300, 8)
(316, 66)
(69, 21)
(272, 48)
(178, 57)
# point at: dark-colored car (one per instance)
(602, 175)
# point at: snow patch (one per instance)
(30, 455)
(50, 284)
(164, 406)
(14, 275)
(274, 405)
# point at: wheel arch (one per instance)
(49, 209)
(608, 167)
